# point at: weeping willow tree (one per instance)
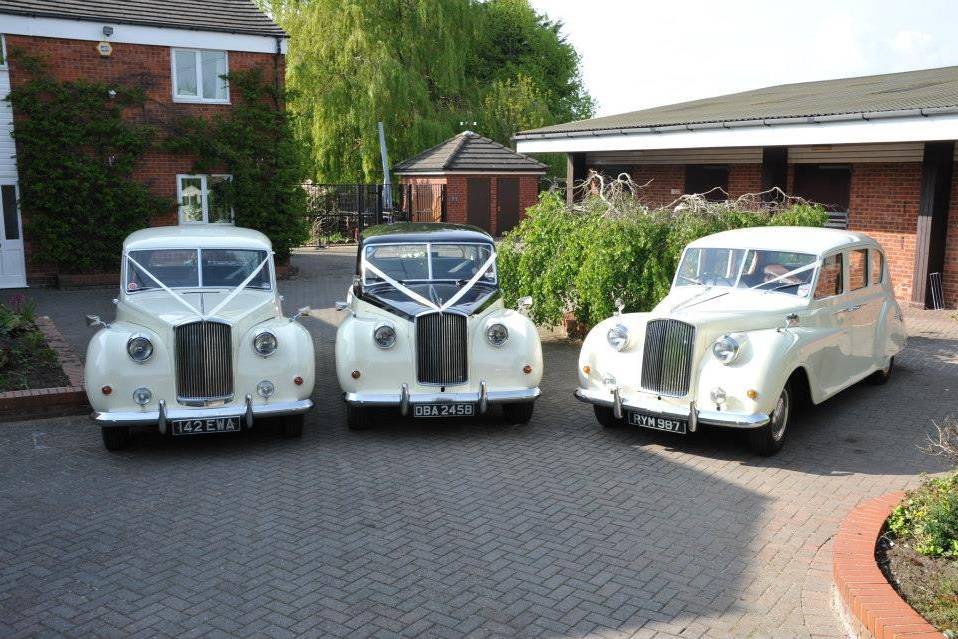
(422, 67)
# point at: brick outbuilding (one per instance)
(877, 151)
(486, 184)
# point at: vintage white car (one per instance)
(199, 344)
(757, 320)
(427, 332)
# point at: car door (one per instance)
(831, 354)
(863, 305)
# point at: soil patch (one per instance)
(928, 584)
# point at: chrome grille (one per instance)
(441, 346)
(204, 361)
(667, 359)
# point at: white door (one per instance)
(13, 272)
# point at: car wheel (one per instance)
(606, 417)
(359, 418)
(880, 377)
(768, 439)
(293, 426)
(116, 437)
(519, 413)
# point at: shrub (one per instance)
(927, 519)
(611, 246)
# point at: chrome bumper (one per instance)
(404, 399)
(163, 415)
(614, 400)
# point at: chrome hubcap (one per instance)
(780, 417)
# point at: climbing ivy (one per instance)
(76, 155)
(253, 142)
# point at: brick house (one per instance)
(486, 184)
(877, 151)
(176, 49)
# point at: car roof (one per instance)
(798, 239)
(197, 236)
(423, 232)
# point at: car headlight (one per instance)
(497, 334)
(139, 348)
(725, 349)
(384, 336)
(618, 337)
(265, 343)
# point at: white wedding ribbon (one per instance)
(239, 289)
(800, 269)
(413, 295)
(163, 286)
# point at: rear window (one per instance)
(830, 277)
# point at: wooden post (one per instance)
(932, 229)
(574, 173)
(774, 171)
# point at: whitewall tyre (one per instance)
(769, 439)
(116, 437)
(881, 376)
(519, 413)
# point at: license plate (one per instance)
(444, 410)
(655, 422)
(206, 426)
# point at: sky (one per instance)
(638, 54)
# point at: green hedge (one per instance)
(582, 260)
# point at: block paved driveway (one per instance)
(462, 528)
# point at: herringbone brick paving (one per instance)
(454, 529)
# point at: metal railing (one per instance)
(338, 213)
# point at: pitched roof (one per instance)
(890, 92)
(469, 151)
(232, 16)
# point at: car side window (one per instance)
(876, 262)
(830, 277)
(857, 269)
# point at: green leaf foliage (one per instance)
(76, 157)
(582, 260)
(254, 142)
(421, 67)
(927, 519)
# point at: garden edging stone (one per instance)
(871, 603)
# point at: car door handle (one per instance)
(848, 309)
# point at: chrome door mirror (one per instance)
(790, 320)
(94, 321)
(342, 306)
(525, 303)
(300, 313)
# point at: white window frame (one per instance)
(204, 198)
(198, 99)
(3, 52)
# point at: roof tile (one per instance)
(469, 151)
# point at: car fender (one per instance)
(109, 364)
(603, 361)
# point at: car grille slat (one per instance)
(204, 361)
(441, 345)
(667, 358)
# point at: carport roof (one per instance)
(231, 16)
(469, 152)
(927, 89)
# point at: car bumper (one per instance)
(694, 416)
(403, 399)
(164, 415)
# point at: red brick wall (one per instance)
(132, 64)
(661, 179)
(884, 204)
(457, 195)
(744, 178)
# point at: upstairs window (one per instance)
(3, 52)
(204, 199)
(197, 76)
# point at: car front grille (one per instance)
(441, 346)
(204, 361)
(667, 359)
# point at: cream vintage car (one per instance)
(427, 334)
(757, 320)
(200, 344)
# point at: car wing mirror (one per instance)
(94, 321)
(342, 306)
(791, 320)
(525, 303)
(301, 313)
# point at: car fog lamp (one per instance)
(384, 336)
(142, 396)
(265, 389)
(725, 349)
(497, 334)
(718, 395)
(618, 337)
(265, 343)
(139, 348)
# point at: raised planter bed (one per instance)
(54, 401)
(872, 605)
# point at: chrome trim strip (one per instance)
(394, 399)
(127, 418)
(714, 418)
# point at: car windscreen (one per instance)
(780, 271)
(193, 268)
(429, 262)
